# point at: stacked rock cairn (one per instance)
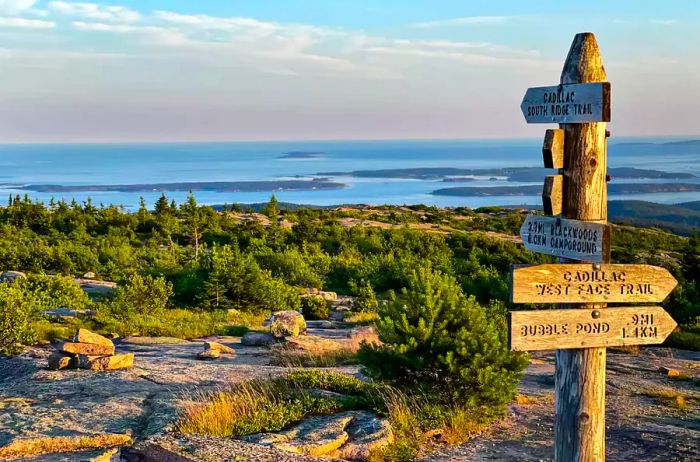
(89, 351)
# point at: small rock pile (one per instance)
(89, 351)
(213, 350)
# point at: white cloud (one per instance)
(26, 23)
(15, 6)
(468, 20)
(156, 35)
(110, 13)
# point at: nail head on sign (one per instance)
(595, 314)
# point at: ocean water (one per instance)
(121, 164)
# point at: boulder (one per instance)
(106, 363)
(85, 336)
(312, 344)
(58, 361)
(337, 316)
(10, 276)
(89, 275)
(88, 349)
(66, 314)
(93, 287)
(328, 296)
(257, 339)
(366, 433)
(223, 349)
(209, 354)
(287, 324)
(316, 436)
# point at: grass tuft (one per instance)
(31, 447)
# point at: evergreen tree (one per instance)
(161, 205)
(271, 209)
(436, 339)
(193, 218)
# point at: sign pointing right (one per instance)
(590, 283)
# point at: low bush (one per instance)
(180, 323)
(366, 300)
(685, 339)
(16, 310)
(315, 307)
(440, 342)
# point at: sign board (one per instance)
(566, 104)
(590, 283)
(553, 148)
(553, 194)
(587, 328)
(577, 240)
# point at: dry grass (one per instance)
(217, 413)
(526, 400)
(668, 397)
(461, 427)
(46, 445)
(301, 358)
(361, 317)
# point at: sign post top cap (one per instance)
(584, 63)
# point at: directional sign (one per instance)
(577, 240)
(553, 148)
(584, 328)
(590, 283)
(566, 104)
(553, 194)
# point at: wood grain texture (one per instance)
(552, 194)
(579, 428)
(553, 148)
(584, 283)
(552, 329)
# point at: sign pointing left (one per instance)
(566, 104)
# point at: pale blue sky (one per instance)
(168, 70)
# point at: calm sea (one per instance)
(100, 164)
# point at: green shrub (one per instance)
(436, 339)
(366, 300)
(185, 324)
(315, 307)
(684, 339)
(16, 308)
(140, 296)
(51, 292)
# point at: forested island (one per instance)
(532, 190)
(521, 174)
(215, 186)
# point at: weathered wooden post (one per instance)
(580, 373)
(576, 231)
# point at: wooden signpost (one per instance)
(578, 149)
(578, 240)
(560, 329)
(567, 103)
(589, 283)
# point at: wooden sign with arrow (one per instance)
(590, 283)
(562, 329)
(567, 103)
(573, 239)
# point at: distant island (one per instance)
(521, 174)
(533, 190)
(215, 186)
(302, 155)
